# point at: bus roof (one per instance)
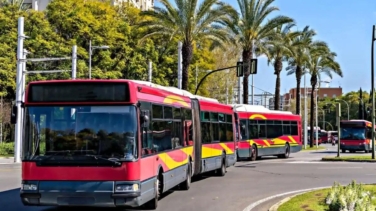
(174, 90)
(257, 108)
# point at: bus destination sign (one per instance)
(79, 92)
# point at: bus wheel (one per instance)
(287, 152)
(153, 204)
(222, 171)
(253, 153)
(187, 183)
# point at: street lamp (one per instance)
(373, 91)
(348, 108)
(91, 49)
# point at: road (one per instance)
(245, 183)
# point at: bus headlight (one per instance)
(29, 187)
(127, 188)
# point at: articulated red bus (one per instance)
(267, 133)
(356, 135)
(118, 143)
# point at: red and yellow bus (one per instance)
(356, 135)
(118, 143)
(266, 132)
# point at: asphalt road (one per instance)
(245, 183)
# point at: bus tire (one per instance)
(153, 204)
(287, 151)
(253, 151)
(222, 171)
(187, 183)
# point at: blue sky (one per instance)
(346, 25)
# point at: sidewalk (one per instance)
(8, 160)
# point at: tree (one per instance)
(320, 60)
(78, 22)
(299, 57)
(252, 27)
(189, 22)
(279, 49)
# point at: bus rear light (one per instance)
(29, 187)
(127, 188)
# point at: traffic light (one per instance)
(239, 69)
(253, 66)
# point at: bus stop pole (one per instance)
(338, 118)
(74, 62)
(19, 76)
(373, 91)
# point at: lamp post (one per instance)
(317, 125)
(373, 91)
(91, 49)
(348, 108)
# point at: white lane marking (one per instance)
(301, 162)
(253, 205)
(351, 167)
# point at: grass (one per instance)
(6, 156)
(314, 201)
(313, 148)
(354, 158)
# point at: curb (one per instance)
(278, 204)
(255, 204)
(354, 161)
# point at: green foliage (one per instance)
(353, 197)
(6, 148)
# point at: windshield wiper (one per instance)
(104, 159)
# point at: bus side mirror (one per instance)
(369, 134)
(13, 115)
(144, 118)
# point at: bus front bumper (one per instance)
(359, 147)
(80, 193)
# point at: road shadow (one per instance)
(247, 165)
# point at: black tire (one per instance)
(343, 151)
(187, 183)
(222, 171)
(253, 151)
(287, 152)
(153, 204)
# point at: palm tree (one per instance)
(279, 49)
(190, 22)
(320, 61)
(299, 56)
(252, 27)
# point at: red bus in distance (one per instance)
(118, 143)
(356, 135)
(267, 132)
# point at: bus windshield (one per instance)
(80, 133)
(353, 133)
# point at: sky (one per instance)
(346, 25)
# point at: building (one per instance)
(41, 5)
(281, 103)
(324, 92)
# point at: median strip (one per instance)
(350, 197)
(359, 158)
(314, 148)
